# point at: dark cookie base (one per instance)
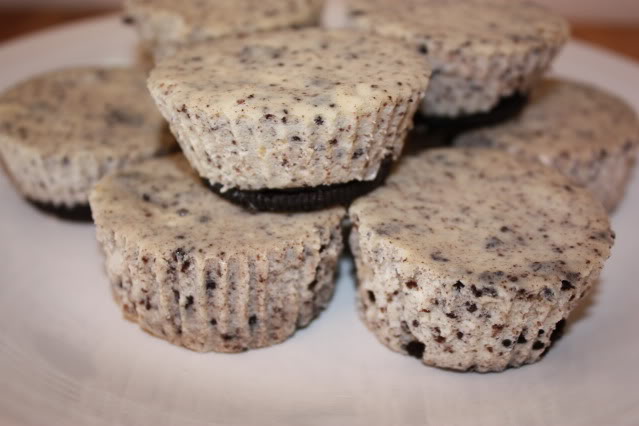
(303, 199)
(422, 138)
(557, 334)
(77, 213)
(509, 107)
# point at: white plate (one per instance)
(67, 357)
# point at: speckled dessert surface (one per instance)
(200, 272)
(469, 258)
(291, 109)
(166, 24)
(480, 50)
(61, 131)
(586, 133)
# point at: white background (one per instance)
(592, 10)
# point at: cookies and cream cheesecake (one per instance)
(470, 259)
(200, 272)
(166, 25)
(291, 111)
(586, 133)
(485, 54)
(61, 131)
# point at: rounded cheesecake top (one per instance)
(194, 20)
(314, 75)
(486, 217)
(563, 118)
(91, 111)
(477, 27)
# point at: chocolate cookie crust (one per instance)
(304, 199)
(77, 213)
(507, 109)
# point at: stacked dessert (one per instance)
(468, 257)
(262, 125)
